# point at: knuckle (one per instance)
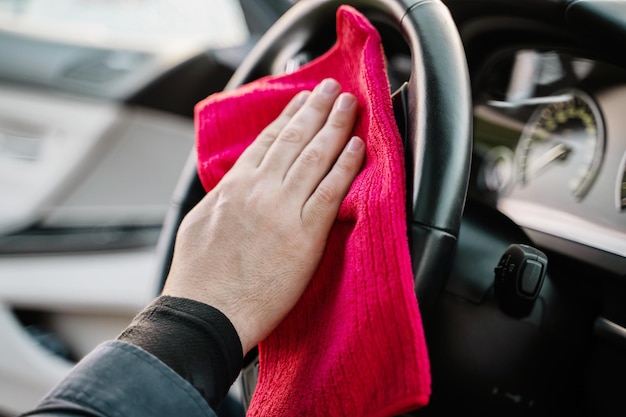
(343, 166)
(311, 156)
(290, 135)
(337, 122)
(269, 134)
(326, 194)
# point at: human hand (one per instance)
(250, 247)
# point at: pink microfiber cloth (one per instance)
(354, 344)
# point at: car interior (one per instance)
(96, 125)
(511, 114)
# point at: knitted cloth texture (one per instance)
(354, 344)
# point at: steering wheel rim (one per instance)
(437, 105)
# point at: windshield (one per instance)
(141, 24)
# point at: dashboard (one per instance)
(548, 170)
(549, 149)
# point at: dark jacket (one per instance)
(119, 379)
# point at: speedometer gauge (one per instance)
(563, 143)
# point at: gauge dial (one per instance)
(563, 142)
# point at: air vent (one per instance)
(78, 239)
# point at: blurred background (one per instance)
(96, 125)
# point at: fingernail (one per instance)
(355, 144)
(345, 101)
(329, 86)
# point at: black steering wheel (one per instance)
(433, 111)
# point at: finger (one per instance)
(319, 155)
(320, 210)
(299, 131)
(254, 154)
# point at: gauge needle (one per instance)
(558, 152)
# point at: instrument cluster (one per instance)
(550, 144)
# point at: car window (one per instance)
(145, 24)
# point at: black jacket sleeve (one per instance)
(178, 357)
(120, 379)
(194, 339)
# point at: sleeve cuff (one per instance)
(194, 339)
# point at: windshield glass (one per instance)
(142, 24)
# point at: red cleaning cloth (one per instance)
(354, 343)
